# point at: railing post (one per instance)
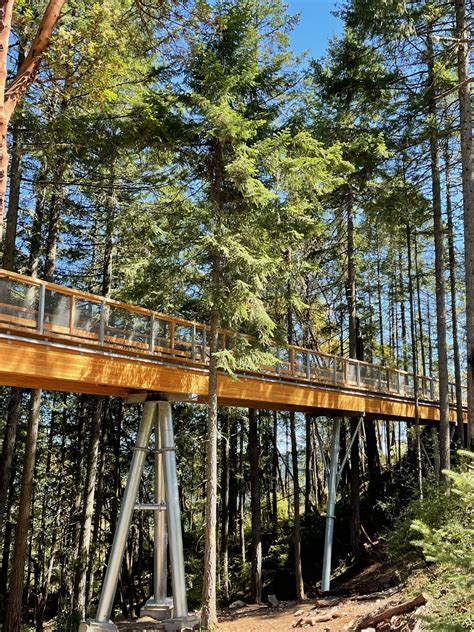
(193, 342)
(41, 306)
(151, 341)
(357, 373)
(72, 314)
(102, 323)
(292, 360)
(204, 342)
(334, 369)
(308, 365)
(398, 383)
(380, 378)
(172, 328)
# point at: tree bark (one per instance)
(88, 509)
(439, 268)
(454, 310)
(209, 609)
(255, 503)
(296, 508)
(25, 76)
(225, 477)
(17, 576)
(355, 527)
(8, 449)
(463, 36)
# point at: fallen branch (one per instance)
(402, 608)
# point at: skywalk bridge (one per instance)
(57, 338)
(63, 339)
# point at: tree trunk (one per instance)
(17, 576)
(9, 247)
(296, 508)
(439, 268)
(415, 366)
(255, 503)
(355, 529)
(88, 509)
(5, 27)
(308, 465)
(225, 476)
(463, 35)
(275, 472)
(454, 310)
(8, 449)
(10, 97)
(209, 610)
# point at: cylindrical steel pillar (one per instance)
(332, 489)
(175, 536)
(160, 571)
(123, 524)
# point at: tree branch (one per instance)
(28, 68)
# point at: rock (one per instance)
(350, 625)
(237, 604)
(369, 630)
(273, 601)
(298, 613)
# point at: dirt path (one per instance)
(377, 586)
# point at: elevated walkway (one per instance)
(58, 338)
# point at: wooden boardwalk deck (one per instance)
(63, 339)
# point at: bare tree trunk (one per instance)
(415, 365)
(463, 36)
(355, 527)
(225, 479)
(275, 472)
(209, 610)
(296, 508)
(88, 508)
(454, 310)
(17, 576)
(255, 503)
(308, 465)
(8, 448)
(439, 269)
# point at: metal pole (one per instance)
(160, 575)
(332, 488)
(175, 536)
(109, 586)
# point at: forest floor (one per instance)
(377, 587)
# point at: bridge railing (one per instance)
(49, 310)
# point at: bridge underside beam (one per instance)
(55, 367)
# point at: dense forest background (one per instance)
(179, 156)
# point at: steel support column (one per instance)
(156, 413)
(175, 536)
(332, 489)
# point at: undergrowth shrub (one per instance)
(440, 529)
(450, 546)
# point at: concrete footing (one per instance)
(159, 609)
(89, 625)
(190, 622)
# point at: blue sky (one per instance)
(316, 25)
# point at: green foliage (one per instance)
(450, 545)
